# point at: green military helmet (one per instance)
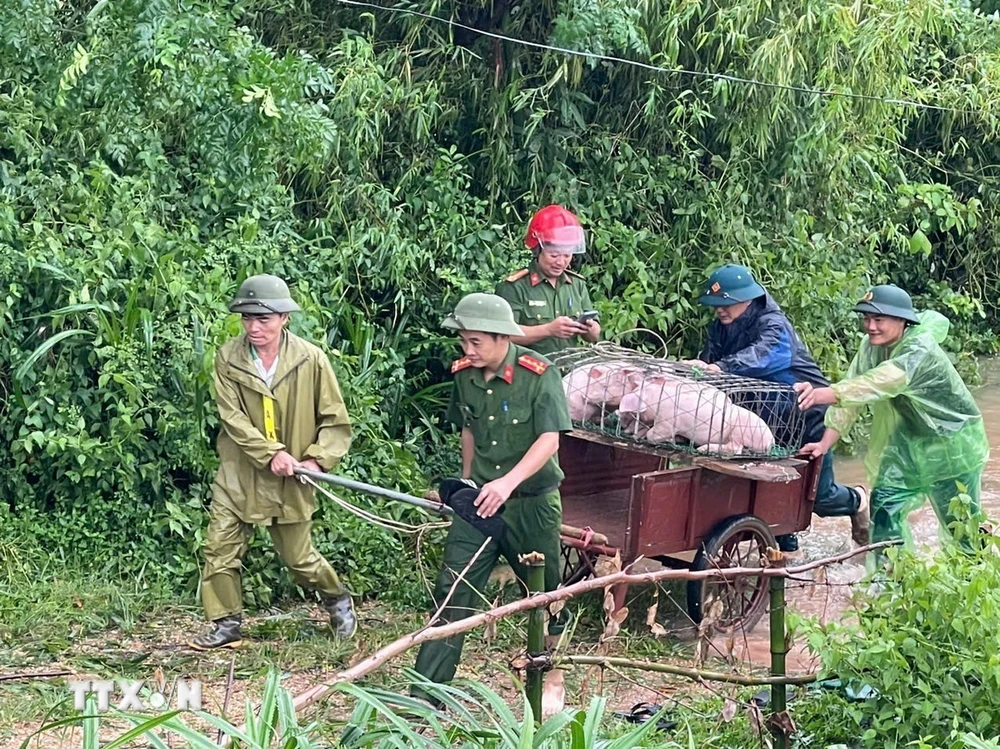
(263, 295)
(730, 284)
(483, 313)
(888, 300)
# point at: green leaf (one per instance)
(45, 347)
(920, 244)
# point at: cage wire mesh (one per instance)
(638, 397)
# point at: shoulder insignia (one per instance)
(517, 276)
(459, 364)
(535, 279)
(531, 363)
(570, 275)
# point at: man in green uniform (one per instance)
(547, 297)
(280, 408)
(510, 406)
(927, 435)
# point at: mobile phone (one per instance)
(587, 316)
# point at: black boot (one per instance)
(788, 542)
(225, 635)
(342, 618)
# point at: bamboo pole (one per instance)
(690, 673)
(535, 563)
(778, 650)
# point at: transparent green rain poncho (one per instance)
(927, 431)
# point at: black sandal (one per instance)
(646, 711)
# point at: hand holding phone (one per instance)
(587, 316)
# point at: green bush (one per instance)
(927, 646)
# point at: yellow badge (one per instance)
(867, 297)
(270, 431)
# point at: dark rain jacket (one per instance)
(761, 343)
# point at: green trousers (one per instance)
(532, 525)
(890, 506)
(225, 545)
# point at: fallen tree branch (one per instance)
(691, 673)
(229, 692)
(393, 649)
(458, 580)
(39, 675)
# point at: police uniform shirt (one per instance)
(506, 415)
(535, 301)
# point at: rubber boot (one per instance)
(226, 634)
(342, 618)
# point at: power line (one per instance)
(657, 68)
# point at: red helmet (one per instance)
(556, 229)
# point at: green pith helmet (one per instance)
(483, 313)
(263, 295)
(730, 284)
(888, 300)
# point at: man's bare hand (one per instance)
(283, 464)
(492, 497)
(311, 465)
(814, 450)
(565, 327)
(810, 396)
(702, 365)
(593, 331)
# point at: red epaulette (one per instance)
(517, 276)
(531, 363)
(459, 364)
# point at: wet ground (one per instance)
(829, 595)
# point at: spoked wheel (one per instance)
(738, 541)
(578, 564)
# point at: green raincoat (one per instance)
(310, 418)
(927, 431)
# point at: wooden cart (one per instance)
(685, 511)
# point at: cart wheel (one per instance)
(739, 541)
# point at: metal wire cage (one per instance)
(638, 397)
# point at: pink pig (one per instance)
(704, 415)
(592, 390)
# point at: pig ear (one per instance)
(596, 372)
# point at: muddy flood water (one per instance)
(830, 598)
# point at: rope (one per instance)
(663, 343)
(660, 69)
(397, 526)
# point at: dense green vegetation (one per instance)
(154, 153)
